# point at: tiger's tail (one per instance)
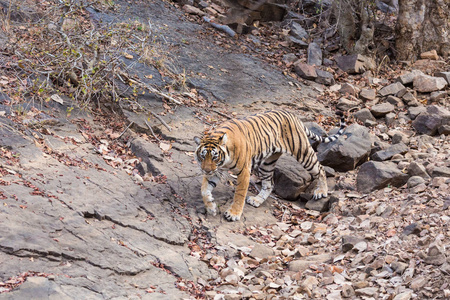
(328, 139)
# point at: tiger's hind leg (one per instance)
(266, 171)
(315, 169)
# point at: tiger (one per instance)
(256, 143)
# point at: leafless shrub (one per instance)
(67, 52)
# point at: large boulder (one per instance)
(347, 152)
(355, 63)
(290, 178)
(432, 120)
(426, 83)
(374, 175)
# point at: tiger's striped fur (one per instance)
(257, 142)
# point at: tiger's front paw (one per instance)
(255, 201)
(211, 209)
(230, 216)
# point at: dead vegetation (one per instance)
(63, 53)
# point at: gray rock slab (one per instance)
(426, 123)
(391, 89)
(314, 54)
(298, 32)
(445, 75)
(388, 153)
(374, 175)
(427, 84)
(368, 94)
(363, 115)
(324, 77)
(417, 169)
(345, 104)
(305, 71)
(349, 89)
(382, 109)
(409, 77)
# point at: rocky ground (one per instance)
(108, 206)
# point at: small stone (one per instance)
(399, 267)
(427, 84)
(309, 282)
(444, 129)
(360, 284)
(415, 111)
(403, 296)
(417, 169)
(368, 291)
(411, 229)
(345, 104)
(410, 99)
(305, 71)
(363, 115)
(426, 123)
(436, 255)
(347, 291)
(289, 59)
(418, 283)
(349, 89)
(322, 205)
(440, 172)
(306, 226)
(324, 77)
(397, 102)
(432, 54)
(374, 175)
(232, 279)
(409, 77)
(399, 137)
(380, 110)
(361, 246)
(355, 63)
(391, 89)
(445, 75)
(368, 94)
(314, 54)
(437, 96)
(414, 181)
(349, 242)
(298, 32)
(388, 153)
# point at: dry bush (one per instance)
(67, 52)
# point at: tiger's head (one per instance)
(210, 153)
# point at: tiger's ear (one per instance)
(223, 139)
(197, 140)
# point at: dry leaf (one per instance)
(57, 98)
(165, 146)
